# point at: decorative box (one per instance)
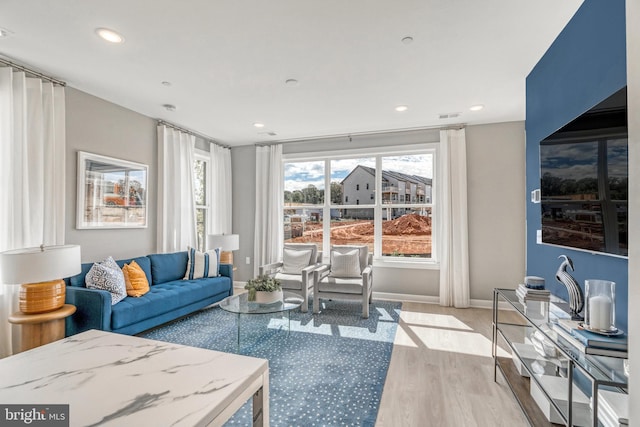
(557, 388)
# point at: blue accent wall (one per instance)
(584, 65)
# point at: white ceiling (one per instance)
(228, 60)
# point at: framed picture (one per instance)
(112, 193)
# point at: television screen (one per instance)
(584, 180)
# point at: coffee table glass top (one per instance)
(239, 304)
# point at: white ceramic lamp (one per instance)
(227, 243)
(40, 271)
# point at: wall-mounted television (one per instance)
(584, 180)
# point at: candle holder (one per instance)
(600, 312)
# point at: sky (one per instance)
(298, 175)
(579, 160)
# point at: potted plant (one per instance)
(264, 289)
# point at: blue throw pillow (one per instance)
(106, 275)
(202, 264)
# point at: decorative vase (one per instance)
(600, 311)
(263, 297)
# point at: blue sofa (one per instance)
(169, 297)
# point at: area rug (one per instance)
(328, 370)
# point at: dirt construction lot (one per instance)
(408, 235)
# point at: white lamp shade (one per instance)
(41, 264)
(228, 242)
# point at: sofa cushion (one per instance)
(342, 286)
(345, 264)
(289, 281)
(143, 262)
(295, 260)
(135, 279)
(363, 251)
(202, 264)
(165, 297)
(106, 275)
(168, 267)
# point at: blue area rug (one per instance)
(328, 370)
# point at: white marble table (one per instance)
(115, 380)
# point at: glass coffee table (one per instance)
(240, 305)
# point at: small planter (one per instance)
(263, 297)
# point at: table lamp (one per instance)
(227, 243)
(40, 271)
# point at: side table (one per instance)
(42, 328)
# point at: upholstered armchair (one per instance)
(295, 271)
(349, 276)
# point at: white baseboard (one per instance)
(474, 303)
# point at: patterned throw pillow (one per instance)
(345, 264)
(106, 275)
(202, 264)
(295, 260)
(135, 279)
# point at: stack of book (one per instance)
(527, 294)
(588, 342)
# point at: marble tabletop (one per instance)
(113, 379)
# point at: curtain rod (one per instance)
(32, 72)
(190, 132)
(359, 134)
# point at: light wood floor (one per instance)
(441, 372)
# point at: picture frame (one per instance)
(111, 193)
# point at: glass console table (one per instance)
(554, 386)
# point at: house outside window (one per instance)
(395, 221)
(201, 172)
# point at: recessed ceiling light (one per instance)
(407, 40)
(166, 83)
(291, 82)
(402, 108)
(169, 107)
(476, 107)
(259, 125)
(109, 35)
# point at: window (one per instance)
(396, 222)
(201, 189)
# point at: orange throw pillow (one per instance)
(135, 279)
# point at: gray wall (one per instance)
(243, 167)
(100, 127)
(496, 202)
(496, 208)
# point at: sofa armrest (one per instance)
(93, 310)
(367, 279)
(269, 268)
(226, 270)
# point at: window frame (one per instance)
(379, 153)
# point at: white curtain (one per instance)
(454, 260)
(176, 203)
(269, 232)
(32, 174)
(221, 202)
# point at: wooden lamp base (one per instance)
(226, 257)
(42, 297)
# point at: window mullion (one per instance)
(377, 211)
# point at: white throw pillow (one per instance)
(295, 260)
(345, 264)
(107, 275)
(202, 264)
